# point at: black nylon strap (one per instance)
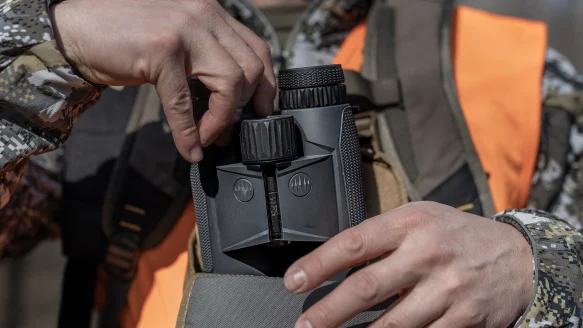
(120, 262)
(372, 95)
(137, 212)
(78, 292)
(117, 291)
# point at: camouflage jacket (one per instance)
(41, 97)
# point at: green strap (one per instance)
(381, 93)
(571, 103)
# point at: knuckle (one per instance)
(354, 243)
(188, 132)
(433, 253)
(314, 265)
(392, 321)
(366, 286)
(206, 9)
(236, 76)
(452, 284)
(263, 49)
(256, 69)
(182, 20)
(471, 314)
(323, 316)
(231, 78)
(412, 216)
(168, 43)
(178, 104)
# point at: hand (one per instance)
(450, 268)
(163, 42)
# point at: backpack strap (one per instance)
(377, 87)
(77, 294)
(146, 193)
(137, 213)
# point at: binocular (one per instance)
(289, 182)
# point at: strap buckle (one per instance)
(121, 257)
(366, 129)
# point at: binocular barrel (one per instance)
(287, 184)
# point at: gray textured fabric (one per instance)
(435, 138)
(220, 301)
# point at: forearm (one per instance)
(40, 94)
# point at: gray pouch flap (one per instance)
(255, 302)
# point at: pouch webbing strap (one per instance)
(122, 251)
(378, 87)
(137, 213)
(114, 303)
(120, 263)
(368, 94)
(366, 125)
(77, 294)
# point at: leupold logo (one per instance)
(243, 190)
(300, 184)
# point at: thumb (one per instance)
(172, 87)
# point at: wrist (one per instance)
(524, 257)
(59, 16)
(528, 262)
(558, 263)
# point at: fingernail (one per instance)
(196, 154)
(295, 279)
(303, 324)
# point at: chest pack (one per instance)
(410, 120)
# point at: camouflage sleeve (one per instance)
(557, 185)
(40, 94)
(558, 267)
(31, 214)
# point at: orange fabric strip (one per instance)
(351, 53)
(154, 298)
(499, 62)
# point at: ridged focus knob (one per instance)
(309, 77)
(268, 140)
(311, 87)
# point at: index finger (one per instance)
(368, 240)
(223, 77)
(265, 91)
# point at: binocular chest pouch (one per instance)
(287, 184)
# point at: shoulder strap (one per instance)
(378, 87)
(418, 124)
(138, 213)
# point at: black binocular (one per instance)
(289, 182)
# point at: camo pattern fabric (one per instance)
(558, 247)
(31, 214)
(40, 94)
(40, 99)
(251, 17)
(323, 29)
(558, 182)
